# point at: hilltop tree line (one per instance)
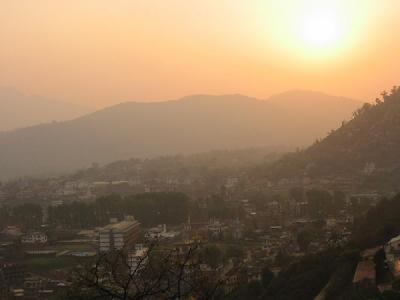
(149, 209)
(173, 208)
(370, 138)
(27, 214)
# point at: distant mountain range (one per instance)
(366, 147)
(188, 125)
(18, 110)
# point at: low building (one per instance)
(12, 231)
(34, 238)
(119, 236)
(160, 232)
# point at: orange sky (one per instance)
(101, 52)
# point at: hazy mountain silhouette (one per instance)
(191, 124)
(18, 110)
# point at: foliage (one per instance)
(28, 214)
(370, 138)
(378, 225)
(158, 274)
(305, 278)
(396, 285)
(304, 238)
(266, 277)
(149, 208)
(211, 255)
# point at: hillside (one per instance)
(367, 146)
(18, 110)
(188, 125)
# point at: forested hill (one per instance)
(368, 145)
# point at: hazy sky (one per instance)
(108, 51)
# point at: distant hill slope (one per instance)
(19, 111)
(368, 145)
(191, 124)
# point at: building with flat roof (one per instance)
(119, 236)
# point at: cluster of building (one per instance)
(17, 283)
(267, 235)
(55, 190)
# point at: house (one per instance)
(34, 238)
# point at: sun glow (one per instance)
(320, 31)
(320, 28)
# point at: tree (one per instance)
(254, 290)
(396, 285)
(282, 258)
(266, 277)
(233, 252)
(304, 238)
(297, 194)
(4, 215)
(211, 255)
(339, 200)
(159, 274)
(29, 214)
(319, 202)
(148, 208)
(390, 295)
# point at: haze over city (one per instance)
(199, 150)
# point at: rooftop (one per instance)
(395, 239)
(121, 226)
(365, 271)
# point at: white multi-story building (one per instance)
(138, 258)
(119, 236)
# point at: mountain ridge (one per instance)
(18, 110)
(132, 129)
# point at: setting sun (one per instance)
(320, 28)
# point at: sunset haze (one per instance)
(100, 53)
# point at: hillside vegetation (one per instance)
(368, 146)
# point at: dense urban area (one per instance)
(243, 224)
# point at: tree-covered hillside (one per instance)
(366, 146)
